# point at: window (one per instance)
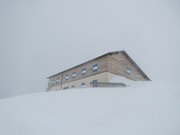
(138, 76)
(83, 72)
(74, 75)
(57, 80)
(83, 85)
(94, 81)
(65, 88)
(128, 70)
(67, 77)
(52, 82)
(95, 67)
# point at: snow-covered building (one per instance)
(98, 72)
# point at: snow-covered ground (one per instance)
(146, 109)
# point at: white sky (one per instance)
(40, 38)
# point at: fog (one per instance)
(39, 38)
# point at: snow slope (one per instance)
(146, 109)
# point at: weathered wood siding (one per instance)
(53, 81)
(102, 67)
(116, 63)
(119, 63)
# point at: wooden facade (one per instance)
(117, 63)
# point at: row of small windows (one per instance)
(94, 69)
(83, 72)
(73, 86)
(83, 85)
(55, 81)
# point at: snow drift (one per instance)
(146, 109)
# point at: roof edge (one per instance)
(134, 63)
(106, 54)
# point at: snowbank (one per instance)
(139, 110)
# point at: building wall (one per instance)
(55, 81)
(108, 66)
(102, 77)
(106, 85)
(120, 65)
(102, 67)
(55, 88)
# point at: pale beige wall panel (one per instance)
(102, 77)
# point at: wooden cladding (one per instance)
(118, 63)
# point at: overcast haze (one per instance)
(40, 38)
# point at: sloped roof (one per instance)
(109, 53)
(137, 67)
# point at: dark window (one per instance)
(95, 67)
(65, 88)
(57, 80)
(52, 82)
(74, 75)
(128, 70)
(67, 77)
(138, 76)
(94, 81)
(83, 72)
(83, 85)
